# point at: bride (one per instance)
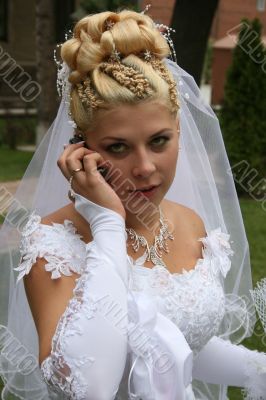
(138, 286)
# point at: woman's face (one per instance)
(141, 143)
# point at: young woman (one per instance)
(108, 320)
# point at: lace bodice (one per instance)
(193, 300)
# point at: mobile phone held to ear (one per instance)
(75, 139)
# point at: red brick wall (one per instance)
(222, 58)
(160, 11)
(230, 13)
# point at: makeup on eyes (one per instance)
(120, 139)
(157, 145)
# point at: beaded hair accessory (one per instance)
(115, 68)
(165, 32)
(62, 83)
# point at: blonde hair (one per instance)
(100, 82)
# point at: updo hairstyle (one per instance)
(116, 59)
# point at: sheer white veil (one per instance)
(203, 182)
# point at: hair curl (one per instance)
(97, 82)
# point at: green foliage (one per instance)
(95, 6)
(243, 114)
(253, 215)
(13, 163)
(16, 131)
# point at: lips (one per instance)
(145, 188)
(146, 193)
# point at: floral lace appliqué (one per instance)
(61, 374)
(216, 244)
(59, 244)
(193, 299)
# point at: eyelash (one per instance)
(109, 148)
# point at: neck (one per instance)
(146, 222)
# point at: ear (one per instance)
(178, 126)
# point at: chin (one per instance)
(142, 201)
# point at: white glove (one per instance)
(89, 347)
(222, 362)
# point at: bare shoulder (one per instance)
(69, 212)
(48, 298)
(186, 218)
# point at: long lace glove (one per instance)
(89, 347)
(222, 362)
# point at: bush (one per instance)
(243, 113)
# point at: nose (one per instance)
(143, 164)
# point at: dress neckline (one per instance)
(214, 243)
(134, 263)
(183, 271)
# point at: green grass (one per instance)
(13, 163)
(254, 220)
(254, 216)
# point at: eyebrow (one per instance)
(124, 140)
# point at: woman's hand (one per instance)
(89, 183)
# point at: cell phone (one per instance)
(75, 139)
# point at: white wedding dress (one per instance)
(132, 332)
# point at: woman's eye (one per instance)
(114, 148)
(161, 140)
(120, 147)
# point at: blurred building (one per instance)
(18, 35)
(18, 48)
(228, 15)
(224, 33)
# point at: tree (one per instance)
(46, 68)
(243, 114)
(192, 21)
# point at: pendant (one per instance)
(154, 253)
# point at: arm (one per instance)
(90, 345)
(221, 362)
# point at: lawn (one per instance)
(254, 216)
(13, 163)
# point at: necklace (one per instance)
(154, 252)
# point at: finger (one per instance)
(64, 161)
(78, 154)
(68, 148)
(91, 162)
(76, 159)
(90, 176)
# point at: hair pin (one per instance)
(115, 56)
(147, 55)
(148, 6)
(109, 24)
